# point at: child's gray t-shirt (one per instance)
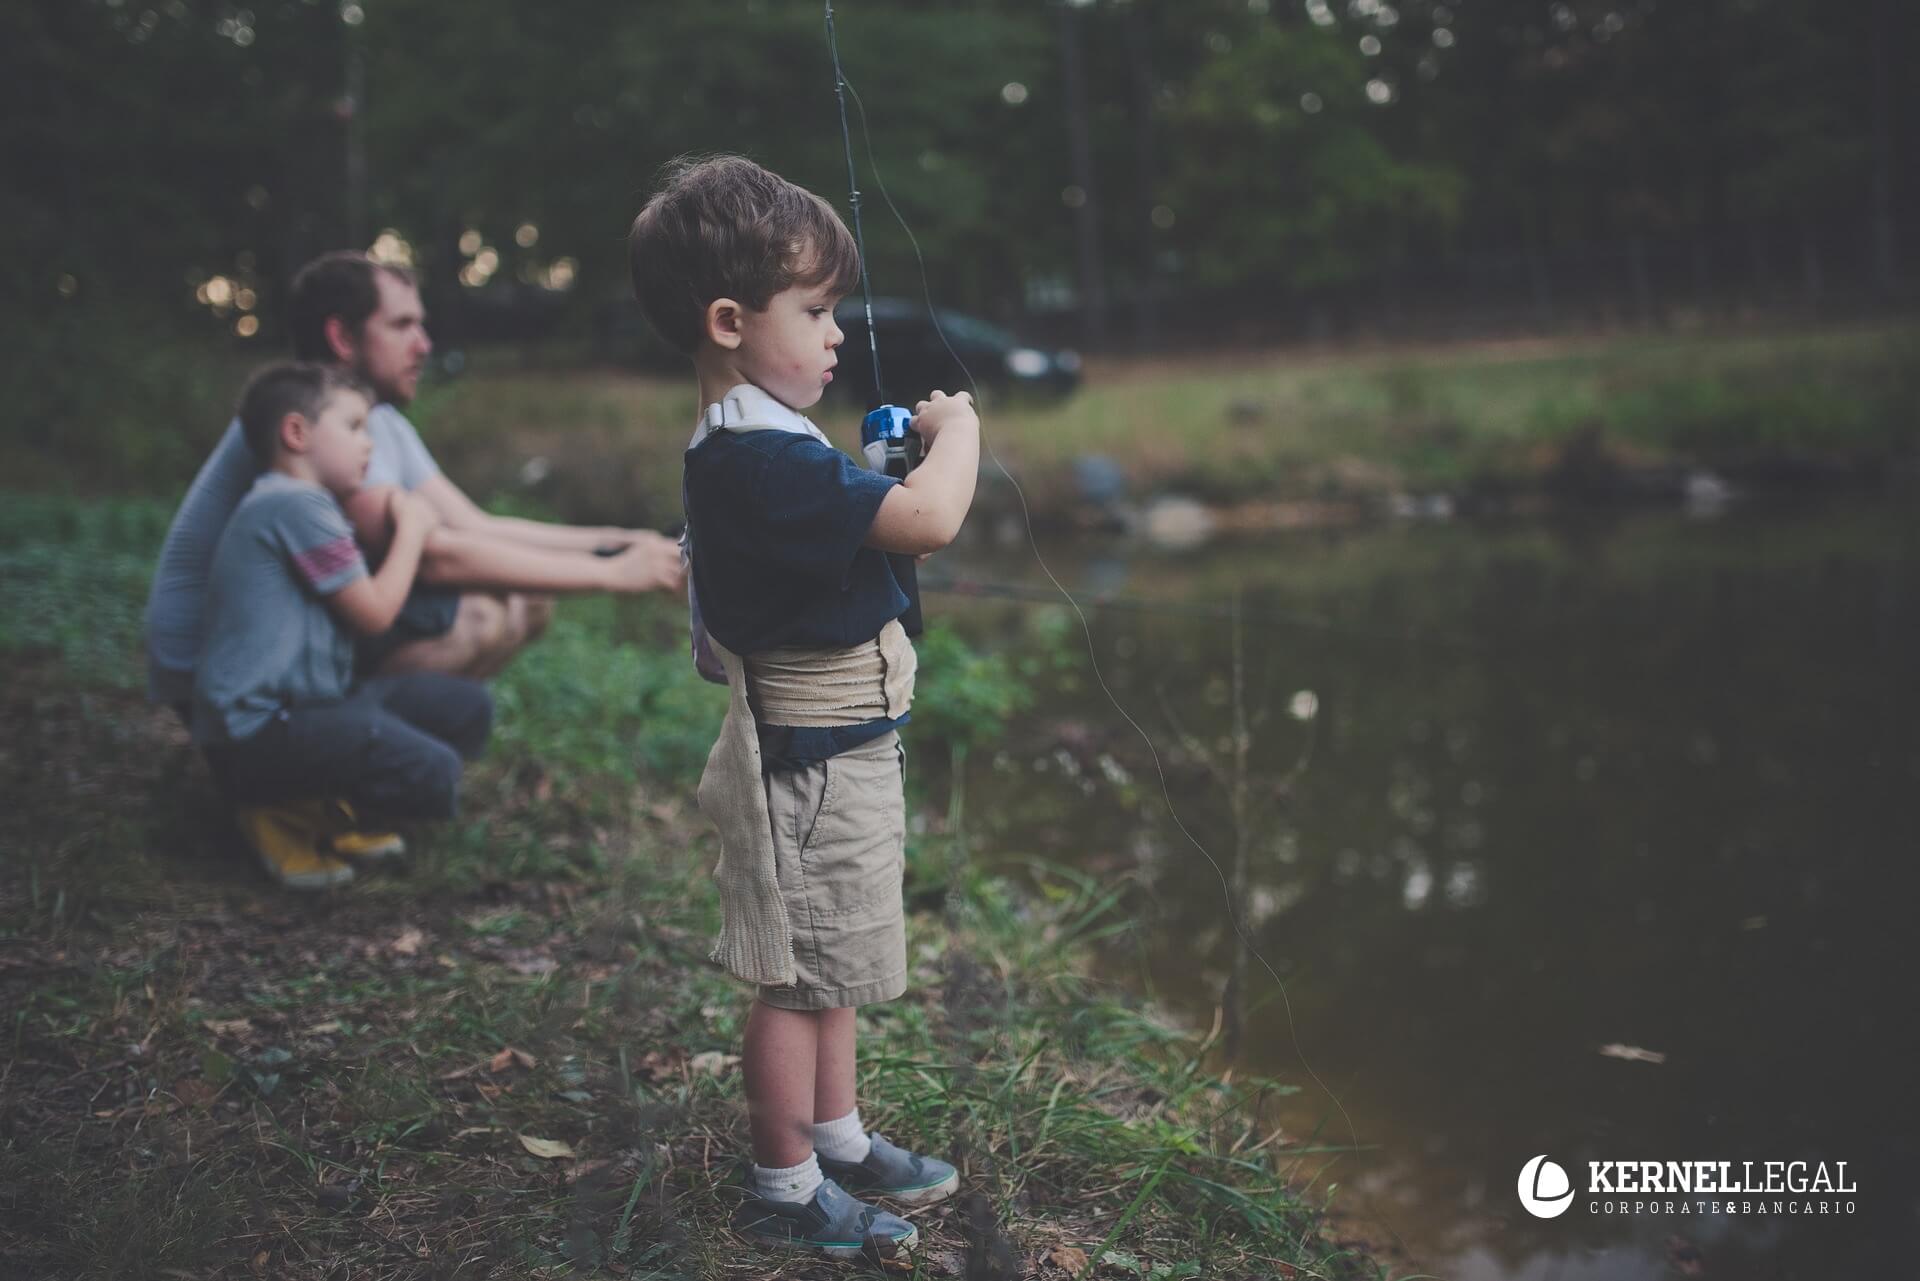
(176, 604)
(271, 641)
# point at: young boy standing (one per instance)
(275, 710)
(794, 597)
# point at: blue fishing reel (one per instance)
(889, 441)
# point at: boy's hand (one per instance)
(940, 411)
(408, 511)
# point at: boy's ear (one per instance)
(341, 340)
(294, 433)
(723, 323)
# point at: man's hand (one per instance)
(939, 411)
(651, 562)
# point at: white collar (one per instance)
(747, 408)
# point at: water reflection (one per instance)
(1646, 787)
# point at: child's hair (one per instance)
(289, 387)
(725, 227)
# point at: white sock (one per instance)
(842, 1140)
(794, 1183)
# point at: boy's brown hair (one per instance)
(725, 227)
(285, 387)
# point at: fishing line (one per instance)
(1086, 628)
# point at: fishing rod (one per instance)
(886, 435)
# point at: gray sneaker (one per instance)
(832, 1223)
(894, 1172)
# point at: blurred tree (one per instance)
(1595, 146)
(1315, 194)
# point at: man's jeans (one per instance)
(392, 748)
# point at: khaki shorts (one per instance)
(839, 843)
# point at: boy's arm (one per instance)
(368, 605)
(923, 513)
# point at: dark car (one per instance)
(915, 361)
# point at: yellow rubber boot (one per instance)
(287, 841)
(358, 843)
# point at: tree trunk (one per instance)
(1086, 216)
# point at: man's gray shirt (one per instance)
(272, 642)
(177, 600)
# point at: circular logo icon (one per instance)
(1544, 1188)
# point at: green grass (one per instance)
(603, 446)
(1286, 425)
(1305, 427)
(208, 1077)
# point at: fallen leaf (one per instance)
(216, 1067)
(713, 1062)
(408, 943)
(228, 1027)
(659, 1065)
(475, 1129)
(324, 1029)
(586, 1169)
(546, 1149)
(1071, 1258)
(506, 1059)
(195, 1093)
(1632, 1053)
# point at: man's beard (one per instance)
(387, 393)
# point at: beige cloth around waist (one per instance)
(820, 687)
(792, 687)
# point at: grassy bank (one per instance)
(514, 1061)
(1291, 426)
(1582, 418)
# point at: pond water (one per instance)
(1644, 783)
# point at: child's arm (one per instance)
(923, 513)
(369, 605)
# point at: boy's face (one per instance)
(337, 443)
(788, 349)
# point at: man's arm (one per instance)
(477, 558)
(457, 511)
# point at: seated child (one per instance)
(275, 709)
(794, 595)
